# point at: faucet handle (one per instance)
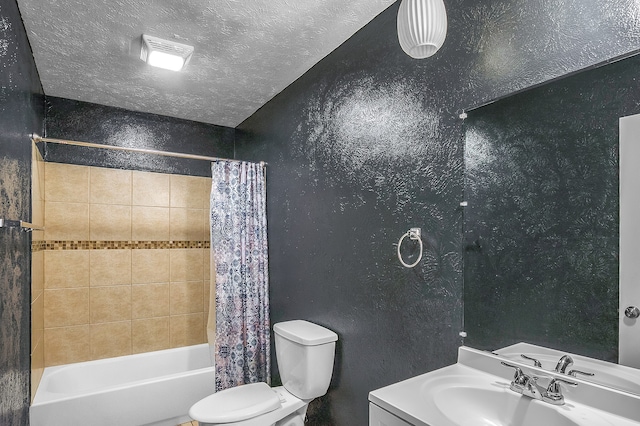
(556, 380)
(531, 383)
(536, 363)
(553, 394)
(573, 373)
(518, 377)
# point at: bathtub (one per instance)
(154, 388)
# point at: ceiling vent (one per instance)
(165, 53)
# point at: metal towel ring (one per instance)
(413, 234)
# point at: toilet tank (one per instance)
(305, 353)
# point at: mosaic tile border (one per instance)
(117, 245)
(38, 246)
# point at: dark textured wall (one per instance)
(364, 146)
(360, 149)
(541, 263)
(21, 113)
(367, 144)
(86, 122)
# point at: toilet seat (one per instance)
(236, 404)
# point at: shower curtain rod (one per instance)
(37, 139)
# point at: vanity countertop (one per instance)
(476, 391)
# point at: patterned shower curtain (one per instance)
(239, 244)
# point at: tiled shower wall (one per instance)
(126, 262)
(37, 271)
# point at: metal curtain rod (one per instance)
(25, 226)
(37, 139)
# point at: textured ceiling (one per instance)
(245, 51)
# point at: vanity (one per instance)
(494, 389)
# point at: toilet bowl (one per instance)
(263, 407)
(305, 354)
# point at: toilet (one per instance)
(305, 354)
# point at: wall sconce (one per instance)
(165, 53)
(422, 27)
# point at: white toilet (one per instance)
(305, 353)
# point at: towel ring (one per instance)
(413, 234)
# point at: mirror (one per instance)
(541, 226)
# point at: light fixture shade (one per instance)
(165, 54)
(422, 27)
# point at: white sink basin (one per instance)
(476, 392)
(467, 406)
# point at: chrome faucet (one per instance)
(527, 385)
(523, 383)
(565, 362)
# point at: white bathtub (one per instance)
(154, 388)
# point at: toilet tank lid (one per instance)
(304, 332)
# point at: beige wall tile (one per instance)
(150, 266)
(206, 230)
(37, 213)
(206, 258)
(206, 289)
(41, 165)
(39, 235)
(186, 191)
(37, 320)
(110, 186)
(37, 274)
(206, 193)
(66, 183)
(66, 268)
(150, 300)
(186, 297)
(110, 267)
(111, 339)
(150, 223)
(66, 345)
(187, 330)
(186, 224)
(66, 307)
(110, 304)
(38, 221)
(37, 193)
(110, 223)
(37, 368)
(186, 264)
(66, 221)
(35, 156)
(151, 189)
(150, 334)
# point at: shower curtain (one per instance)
(239, 252)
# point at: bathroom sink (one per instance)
(485, 400)
(476, 391)
(467, 406)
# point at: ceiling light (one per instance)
(422, 27)
(165, 53)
